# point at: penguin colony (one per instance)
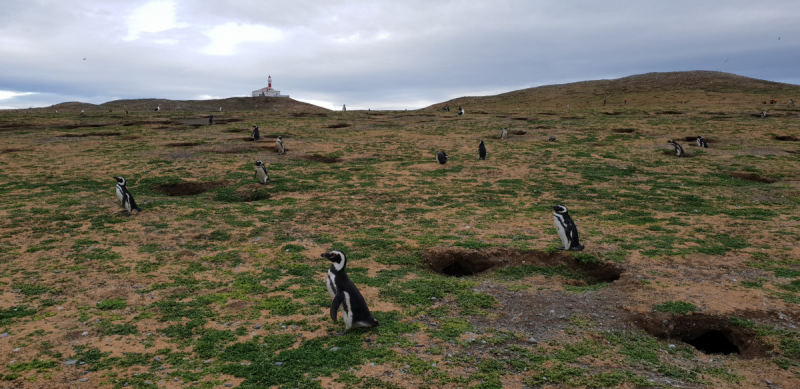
(346, 296)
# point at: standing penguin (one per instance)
(763, 113)
(567, 230)
(504, 134)
(261, 173)
(461, 111)
(346, 295)
(702, 142)
(482, 151)
(125, 197)
(255, 135)
(211, 120)
(441, 157)
(677, 147)
(279, 144)
(551, 139)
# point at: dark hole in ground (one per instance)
(187, 188)
(707, 333)
(547, 113)
(543, 127)
(339, 125)
(671, 112)
(788, 138)
(322, 158)
(501, 116)
(131, 137)
(572, 118)
(6, 151)
(714, 342)
(183, 144)
(519, 132)
(613, 113)
(461, 262)
(520, 119)
(624, 130)
(752, 177)
(95, 134)
(235, 130)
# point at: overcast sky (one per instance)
(380, 54)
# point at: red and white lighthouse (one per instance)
(268, 91)
(269, 82)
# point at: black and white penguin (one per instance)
(125, 197)
(551, 139)
(482, 151)
(702, 142)
(677, 147)
(126, 112)
(279, 144)
(460, 111)
(345, 295)
(763, 113)
(441, 157)
(81, 112)
(504, 134)
(157, 108)
(255, 135)
(567, 230)
(261, 173)
(211, 119)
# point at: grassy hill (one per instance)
(229, 104)
(659, 90)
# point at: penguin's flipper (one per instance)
(337, 301)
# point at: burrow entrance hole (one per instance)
(786, 138)
(339, 125)
(322, 158)
(624, 130)
(707, 333)
(753, 177)
(187, 188)
(460, 262)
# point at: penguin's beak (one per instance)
(328, 256)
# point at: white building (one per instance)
(268, 91)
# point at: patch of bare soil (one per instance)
(308, 115)
(235, 130)
(93, 134)
(188, 188)
(753, 177)
(321, 158)
(787, 138)
(709, 334)
(459, 262)
(518, 132)
(183, 144)
(233, 149)
(339, 125)
(146, 122)
(624, 130)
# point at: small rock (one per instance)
(16, 349)
(71, 362)
(207, 361)
(671, 346)
(83, 380)
(257, 326)
(532, 340)
(85, 333)
(372, 364)
(148, 382)
(228, 384)
(157, 359)
(334, 348)
(4, 334)
(175, 379)
(278, 363)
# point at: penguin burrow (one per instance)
(702, 142)
(345, 295)
(678, 149)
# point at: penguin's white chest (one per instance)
(262, 175)
(347, 311)
(119, 194)
(561, 232)
(330, 283)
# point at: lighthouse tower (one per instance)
(268, 91)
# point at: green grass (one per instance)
(675, 307)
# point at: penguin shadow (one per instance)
(671, 153)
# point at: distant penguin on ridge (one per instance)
(255, 135)
(125, 197)
(504, 134)
(566, 228)
(261, 173)
(702, 142)
(345, 295)
(461, 111)
(677, 147)
(280, 146)
(441, 157)
(211, 120)
(482, 151)
(763, 113)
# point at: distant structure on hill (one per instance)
(268, 91)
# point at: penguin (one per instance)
(344, 107)
(211, 120)
(255, 135)
(81, 112)
(702, 142)
(677, 147)
(125, 197)
(763, 113)
(567, 230)
(441, 157)
(551, 139)
(261, 173)
(345, 295)
(504, 134)
(157, 108)
(482, 151)
(279, 144)
(220, 109)
(461, 111)
(126, 112)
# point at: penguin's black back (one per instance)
(358, 306)
(441, 157)
(482, 151)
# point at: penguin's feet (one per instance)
(339, 333)
(560, 248)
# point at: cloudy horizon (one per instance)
(379, 55)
